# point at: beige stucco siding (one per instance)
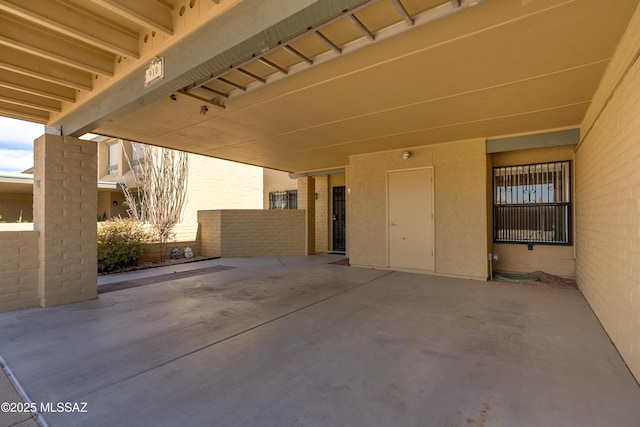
(274, 180)
(551, 259)
(366, 210)
(460, 205)
(608, 201)
(322, 213)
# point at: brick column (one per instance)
(322, 212)
(65, 195)
(307, 202)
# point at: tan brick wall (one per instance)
(14, 204)
(220, 184)
(65, 200)
(460, 206)
(19, 278)
(279, 181)
(551, 259)
(209, 233)
(244, 233)
(607, 201)
(186, 235)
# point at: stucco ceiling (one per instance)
(435, 71)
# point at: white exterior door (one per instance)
(411, 219)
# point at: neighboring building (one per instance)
(16, 196)
(281, 192)
(212, 184)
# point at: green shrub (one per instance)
(120, 243)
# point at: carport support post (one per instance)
(307, 201)
(65, 195)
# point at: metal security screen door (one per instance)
(411, 219)
(339, 219)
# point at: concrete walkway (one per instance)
(299, 342)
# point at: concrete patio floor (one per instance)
(296, 341)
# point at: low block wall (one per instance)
(19, 278)
(243, 233)
(185, 236)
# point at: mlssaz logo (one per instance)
(66, 407)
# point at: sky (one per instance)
(16, 144)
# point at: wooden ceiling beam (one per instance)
(43, 69)
(149, 14)
(11, 96)
(403, 11)
(27, 38)
(76, 23)
(23, 113)
(27, 84)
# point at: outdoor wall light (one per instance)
(115, 203)
(406, 155)
(174, 97)
(204, 109)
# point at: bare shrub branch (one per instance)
(161, 182)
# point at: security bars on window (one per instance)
(532, 203)
(283, 199)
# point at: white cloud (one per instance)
(15, 160)
(16, 144)
(18, 134)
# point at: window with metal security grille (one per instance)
(532, 203)
(283, 199)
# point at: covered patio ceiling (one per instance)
(300, 86)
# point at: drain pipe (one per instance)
(492, 257)
(490, 266)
